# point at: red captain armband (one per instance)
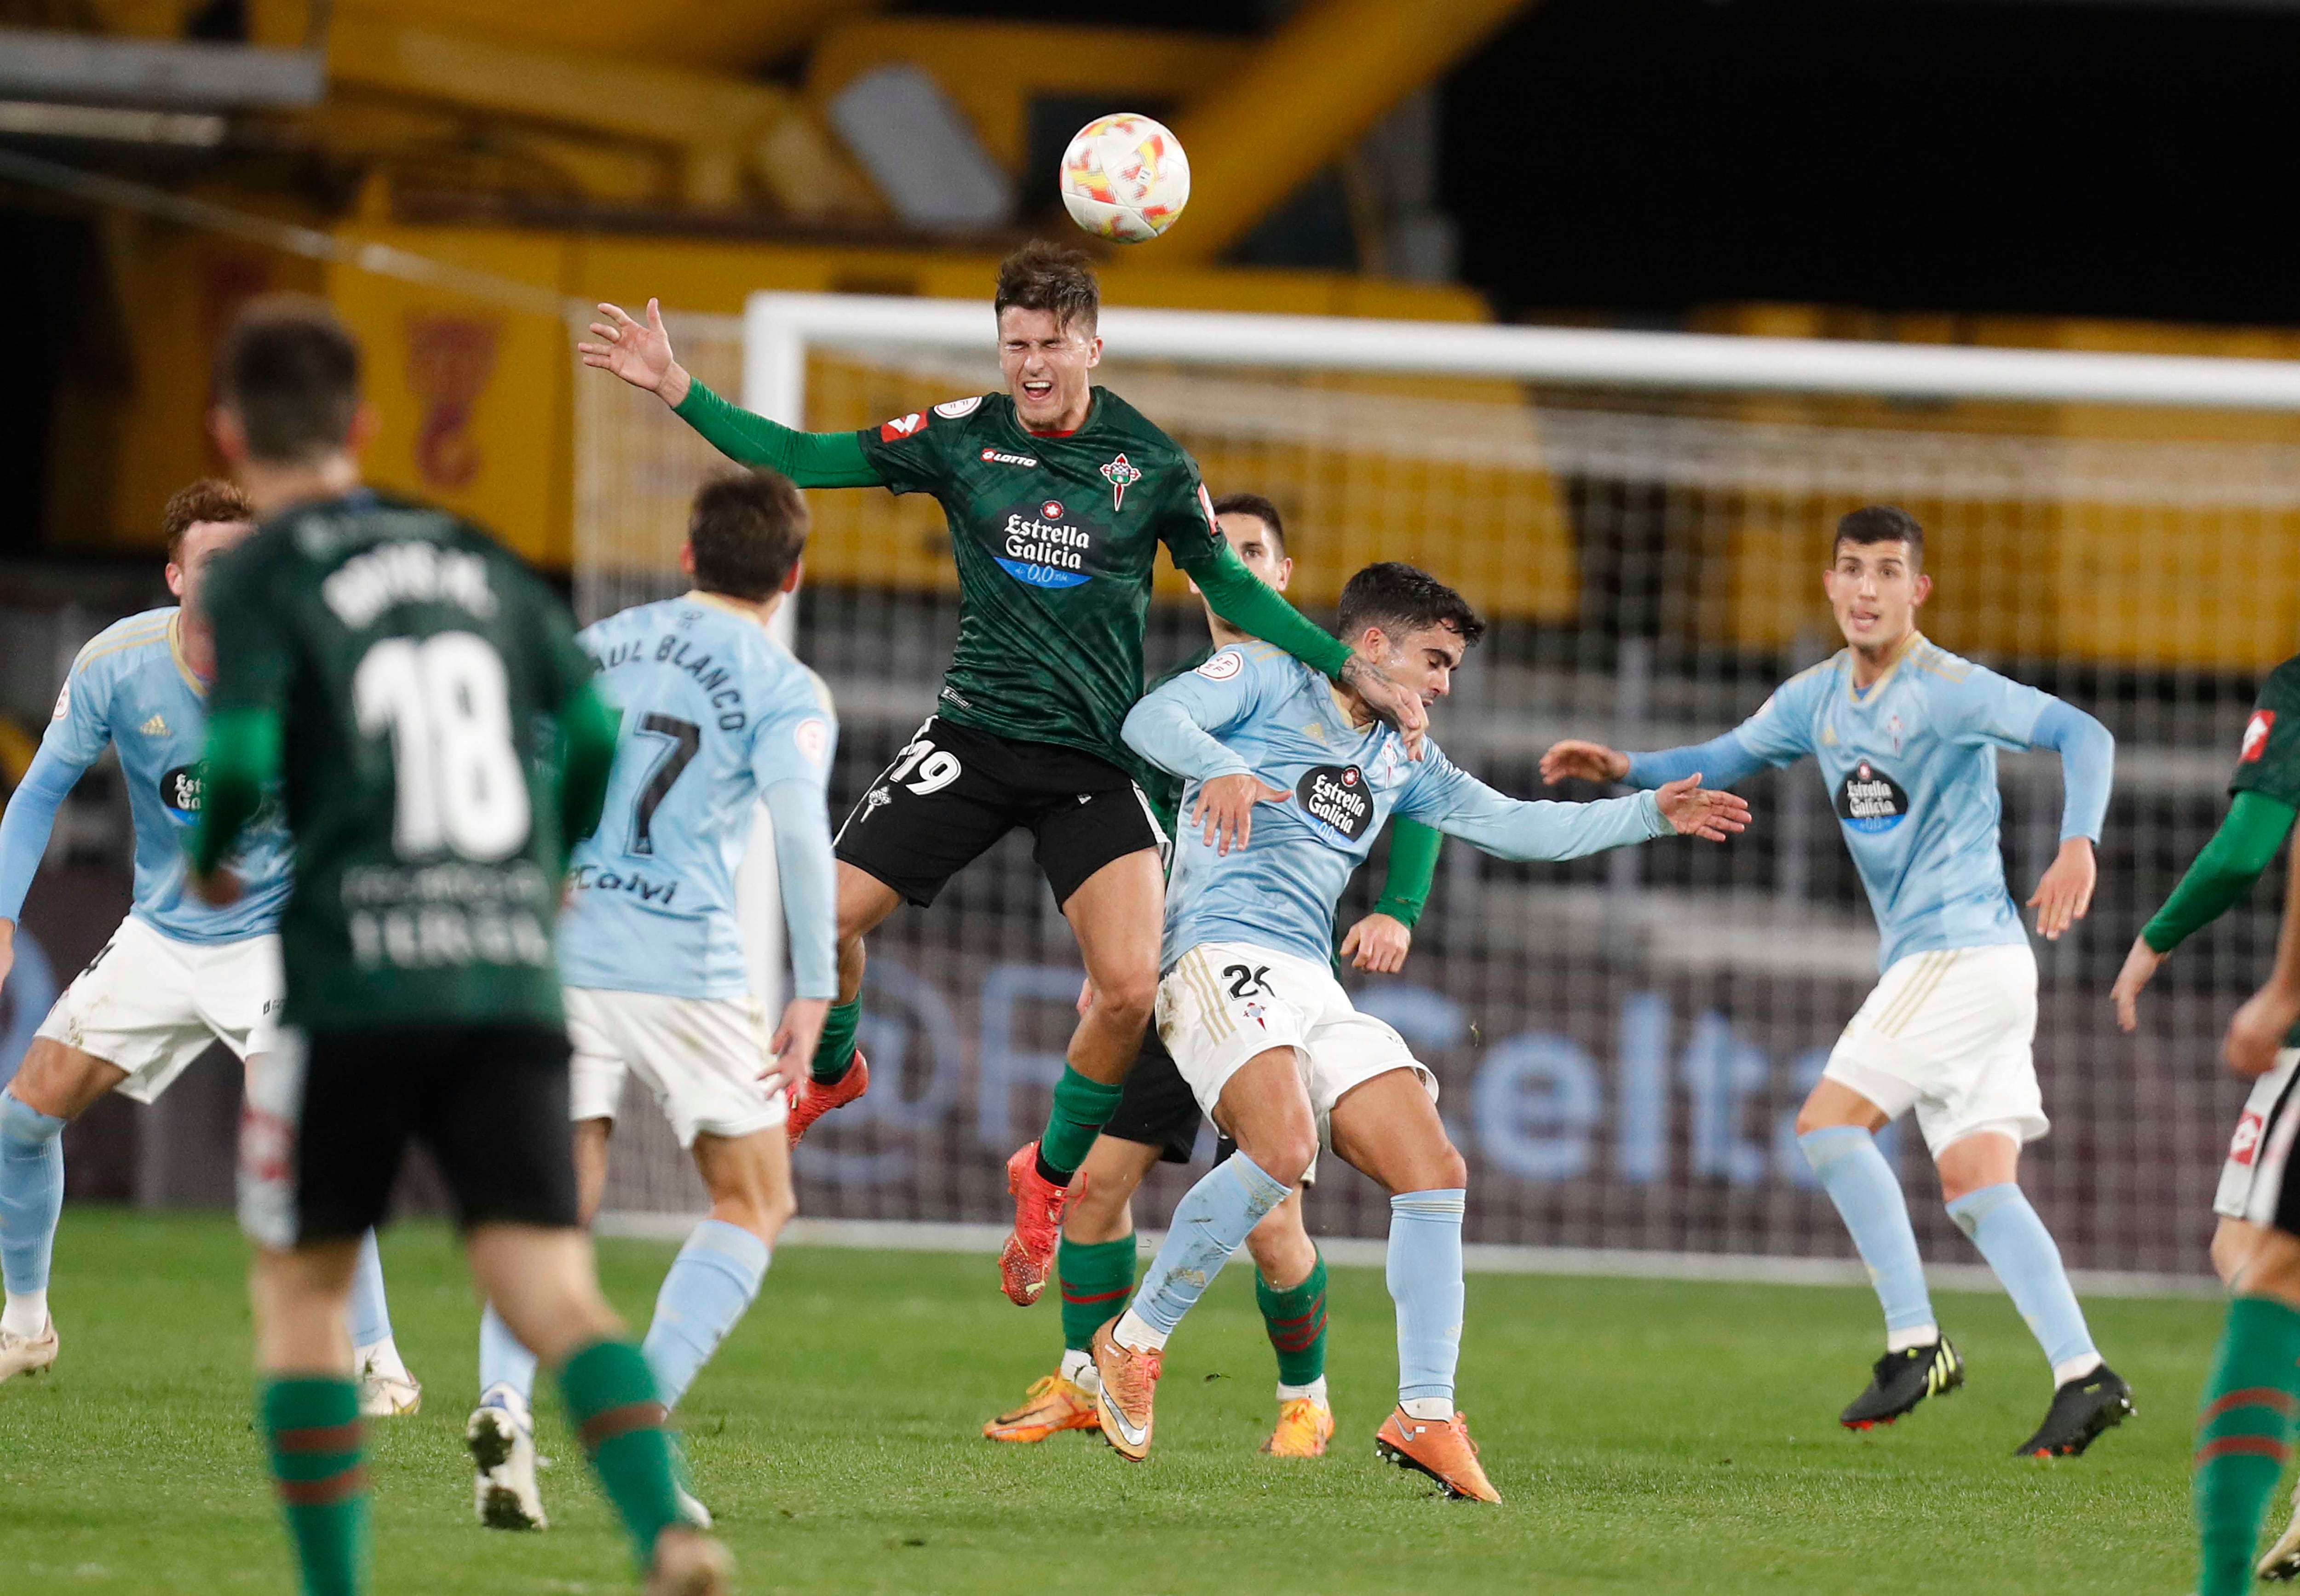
(2256, 736)
(903, 427)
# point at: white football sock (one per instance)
(2075, 1368)
(25, 1315)
(1916, 1335)
(1136, 1332)
(1432, 1410)
(381, 1359)
(1078, 1368)
(1315, 1390)
(508, 1397)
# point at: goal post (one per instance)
(1622, 1042)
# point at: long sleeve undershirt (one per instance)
(25, 828)
(809, 879)
(2247, 843)
(810, 459)
(1414, 850)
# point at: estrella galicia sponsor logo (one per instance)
(1869, 800)
(180, 789)
(1043, 546)
(1000, 457)
(1337, 801)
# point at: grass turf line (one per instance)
(1646, 1434)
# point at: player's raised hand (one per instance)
(2259, 1029)
(1394, 703)
(639, 354)
(1705, 812)
(1225, 809)
(1379, 943)
(1574, 759)
(2140, 966)
(2063, 893)
(793, 1047)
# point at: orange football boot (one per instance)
(1129, 1381)
(1028, 1258)
(811, 1104)
(1304, 1426)
(1439, 1448)
(1051, 1406)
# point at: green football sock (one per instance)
(1296, 1319)
(2244, 1436)
(1096, 1277)
(1082, 1108)
(312, 1427)
(836, 1050)
(612, 1399)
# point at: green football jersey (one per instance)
(1054, 539)
(418, 667)
(2269, 760)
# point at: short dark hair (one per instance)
(289, 369)
(1260, 509)
(210, 499)
(747, 529)
(1880, 523)
(1049, 276)
(1399, 599)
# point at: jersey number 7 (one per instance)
(683, 741)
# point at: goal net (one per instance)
(1624, 1040)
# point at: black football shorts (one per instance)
(953, 791)
(329, 1117)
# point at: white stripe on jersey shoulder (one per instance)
(136, 631)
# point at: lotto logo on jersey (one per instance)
(2245, 1142)
(1043, 547)
(999, 457)
(1871, 801)
(2256, 736)
(901, 428)
(1338, 801)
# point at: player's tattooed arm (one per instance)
(640, 354)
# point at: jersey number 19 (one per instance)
(445, 701)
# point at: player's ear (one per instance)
(364, 426)
(230, 438)
(792, 577)
(1094, 351)
(687, 559)
(175, 578)
(1285, 573)
(1921, 589)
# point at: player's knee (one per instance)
(1450, 1170)
(1127, 999)
(2233, 1244)
(1282, 1151)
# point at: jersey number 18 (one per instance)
(446, 701)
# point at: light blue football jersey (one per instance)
(1911, 768)
(1251, 708)
(130, 688)
(714, 713)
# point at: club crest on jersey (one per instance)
(2256, 736)
(957, 409)
(1000, 457)
(1120, 474)
(1337, 801)
(1869, 800)
(1045, 549)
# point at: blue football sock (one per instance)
(1425, 1283)
(1211, 1222)
(2021, 1250)
(371, 1315)
(1869, 1200)
(711, 1283)
(502, 1359)
(32, 1193)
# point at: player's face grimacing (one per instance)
(1875, 589)
(1423, 660)
(1046, 364)
(203, 541)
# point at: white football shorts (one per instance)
(1950, 1034)
(150, 1004)
(2252, 1180)
(1225, 1002)
(700, 1056)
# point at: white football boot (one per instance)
(27, 1354)
(2283, 1558)
(386, 1389)
(501, 1436)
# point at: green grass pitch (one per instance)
(1648, 1436)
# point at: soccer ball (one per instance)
(1125, 178)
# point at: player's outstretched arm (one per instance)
(2260, 1026)
(241, 757)
(2221, 875)
(2087, 751)
(1528, 830)
(640, 354)
(1722, 760)
(24, 831)
(808, 875)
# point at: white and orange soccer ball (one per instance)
(1125, 178)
